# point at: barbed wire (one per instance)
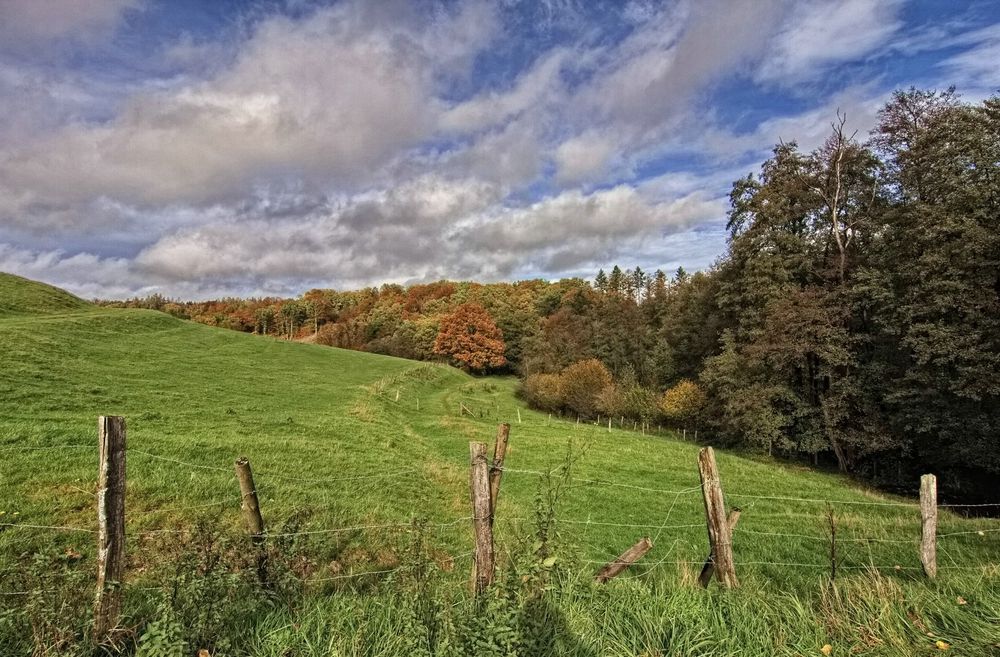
(971, 531)
(132, 450)
(821, 500)
(31, 448)
(170, 509)
(265, 474)
(601, 482)
(52, 527)
(862, 539)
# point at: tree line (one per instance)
(854, 318)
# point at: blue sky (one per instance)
(209, 148)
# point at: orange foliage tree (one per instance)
(471, 339)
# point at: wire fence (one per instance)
(758, 522)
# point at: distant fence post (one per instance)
(250, 505)
(482, 565)
(720, 537)
(110, 524)
(928, 517)
(496, 468)
(624, 560)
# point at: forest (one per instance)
(853, 321)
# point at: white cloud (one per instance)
(976, 66)
(25, 23)
(329, 99)
(824, 32)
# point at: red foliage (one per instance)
(470, 337)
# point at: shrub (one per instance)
(684, 402)
(543, 391)
(582, 383)
(611, 401)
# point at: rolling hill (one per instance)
(348, 448)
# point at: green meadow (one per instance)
(358, 458)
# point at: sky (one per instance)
(208, 148)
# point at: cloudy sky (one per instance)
(201, 148)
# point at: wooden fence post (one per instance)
(624, 560)
(479, 485)
(250, 505)
(705, 578)
(496, 468)
(110, 524)
(720, 537)
(928, 517)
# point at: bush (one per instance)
(543, 391)
(611, 401)
(683, 403)
(582, 384)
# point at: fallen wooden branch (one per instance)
(624, 560)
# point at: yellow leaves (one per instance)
(684, 401)
(827, 650)
(942, 645)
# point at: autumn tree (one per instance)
(470, 339)
(683, 403)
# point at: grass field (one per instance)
(342, 439)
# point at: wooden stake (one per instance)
(928, 517)
(496, 468)
(705, 578)
(624, 560)
(833, 542)
(720, 538)
(250, 506)
(479, 485)
(110, 524)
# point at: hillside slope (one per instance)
(342, 439)
(20, 296)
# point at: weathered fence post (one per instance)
(250, 505)
(720, 537)
(479, 485)
(624, 560)
(705, 578)
(928, 517)
(496, 468)
(833, 542)
(110, 524)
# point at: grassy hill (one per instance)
(342, 439)
(20, 296)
